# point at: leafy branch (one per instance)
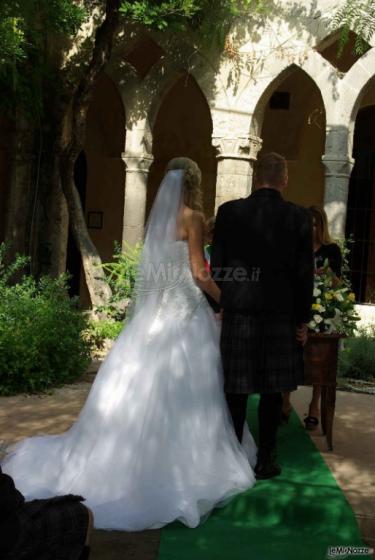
(29, 29)
(357, 16)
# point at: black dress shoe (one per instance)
(265, 470)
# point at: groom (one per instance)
(262, 258)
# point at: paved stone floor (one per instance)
(352, 461)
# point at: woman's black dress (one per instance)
(333, 254)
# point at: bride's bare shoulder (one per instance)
(192, 217)
(190, 222)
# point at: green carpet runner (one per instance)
(296, 516)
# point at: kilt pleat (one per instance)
(260, 353)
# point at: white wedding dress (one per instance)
(154, 442)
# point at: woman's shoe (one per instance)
(311, 423)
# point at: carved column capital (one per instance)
(241, 147)
(256, 144)
(337, 165)
(137, 162)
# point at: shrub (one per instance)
(121, 276)
(98, 332)
(40, 331)
(357, 358)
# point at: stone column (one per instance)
(236, 157)
(137, 169)
(338, 170)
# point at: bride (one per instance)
(154, 441)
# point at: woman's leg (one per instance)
(312, 419)
(314, 409)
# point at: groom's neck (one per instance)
(279, 188)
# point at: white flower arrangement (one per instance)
(333, 305)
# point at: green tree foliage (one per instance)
(24, 23)
(25, 28)
(211, 18)
(28, 27)
(357, 16)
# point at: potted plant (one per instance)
(334, 317)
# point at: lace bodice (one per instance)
(181, 295)
(172, 282)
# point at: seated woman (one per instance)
(324, 249)
(50, 529)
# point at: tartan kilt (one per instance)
(51, 529)
(260, 353)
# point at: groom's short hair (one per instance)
(270, 169)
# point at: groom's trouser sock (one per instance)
(269, 413)
(237, 404)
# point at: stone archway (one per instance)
(183, 127)
(294, 125)
(100, 173)
(360, 222)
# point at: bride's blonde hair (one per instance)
(192, 181)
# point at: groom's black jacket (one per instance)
(262, 256)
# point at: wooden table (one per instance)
(321, 357)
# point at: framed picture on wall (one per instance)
(95, 220)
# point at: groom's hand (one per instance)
(301, 334)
